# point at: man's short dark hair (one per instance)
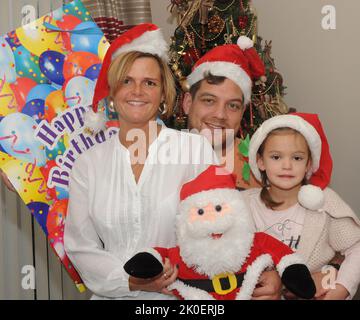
(210, 79)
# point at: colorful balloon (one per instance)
(41, 91)
(21, 88)
(68, 22)
(76, 9)
(37, 39)
(59, 149)
(26, 178)
(88, 40)
(54, 105)
(51, 64)
(7, 62)
(93, 71)
(103, 47)
(56, 216)
(77, 63)
(28, 65)
(79, 91)
(17, 138)
(8, 101)
(35, 109)
(40, 211)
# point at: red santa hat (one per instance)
(238, 62)
(147, 38)
(310, 196)
(214, 178)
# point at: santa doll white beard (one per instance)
(212, 256)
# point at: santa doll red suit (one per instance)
(219, 254)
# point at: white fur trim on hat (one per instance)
(149, 42)
(290, 121)
(95, 122)
(311, 197)
(229, 70)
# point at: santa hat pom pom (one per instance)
(311, 197)
(94, 121)
(245, 43)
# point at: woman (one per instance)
(118, 202)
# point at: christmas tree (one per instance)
(205, 24)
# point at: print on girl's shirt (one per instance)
(287, 231)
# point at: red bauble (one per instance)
(243, 22)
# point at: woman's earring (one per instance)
(162, 108)
(111, 106)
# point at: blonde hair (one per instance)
(120, 66)
(265, 195)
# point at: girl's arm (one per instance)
(344, 236)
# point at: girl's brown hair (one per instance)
(265, 195)
(121, 65)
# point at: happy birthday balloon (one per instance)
(35, 109)
(88, 40)
(103, 47)
(54, 105)
(27, 65)
(79, 91)
(21, 88)
(7, 62)
(8, 101)
(37, 39)
(51, 64)
(77, 63)
(17, 132)
(41, 91)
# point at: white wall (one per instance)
(321, 70)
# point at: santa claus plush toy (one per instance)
(219, 254)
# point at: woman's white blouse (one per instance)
(110, 217)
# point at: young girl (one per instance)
(290, 155)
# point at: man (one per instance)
(220, 89)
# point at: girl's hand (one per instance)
(339, 293)
(158, 283)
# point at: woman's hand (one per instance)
(269, 287)
(6, 181)
(158, 283)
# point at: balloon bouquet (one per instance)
(46, 67)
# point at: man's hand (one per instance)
(268, 287)
(6, 181)
(158, 283)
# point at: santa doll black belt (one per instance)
(221, 284)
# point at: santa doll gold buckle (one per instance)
(217, 284)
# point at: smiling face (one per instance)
(285, 158)
(140, 93)
(215, 107)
